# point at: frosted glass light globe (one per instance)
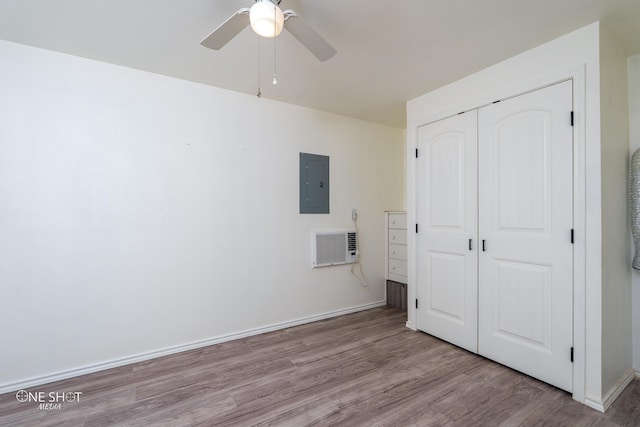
(263, 16)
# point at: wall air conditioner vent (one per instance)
(333, 247)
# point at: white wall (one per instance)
(141, 213)
(577, 50)
(634, 142)
(616, 268)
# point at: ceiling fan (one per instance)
(267, 20)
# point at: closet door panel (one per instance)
(525, 220)
(447, 218)
(521, 144)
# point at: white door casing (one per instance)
(525, 293)
(447, 241)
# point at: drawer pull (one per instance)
(393, 237)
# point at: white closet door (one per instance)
(525, 220)
(447, 218)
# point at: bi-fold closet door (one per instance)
(494, 248)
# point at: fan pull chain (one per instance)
(259, 94)
(275, 78)
(275, 37)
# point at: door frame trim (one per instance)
(578, 76)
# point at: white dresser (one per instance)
(396, 247)
(396, 258)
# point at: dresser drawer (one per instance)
(398, 221)
(398, 252)
(398, 267)
(398, 237)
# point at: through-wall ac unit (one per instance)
(333, 247)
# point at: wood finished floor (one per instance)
(363, 369)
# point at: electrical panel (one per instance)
(314, 184)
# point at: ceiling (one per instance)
(388, 51)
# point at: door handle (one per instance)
(470, 244)
(483, 246)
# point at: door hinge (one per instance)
(572, 236)
(416, 302)
(571, 354)
(572, 118)
(416, 153)
(416, 228)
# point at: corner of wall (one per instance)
(616, 268)
(633, 68)
(137, 194)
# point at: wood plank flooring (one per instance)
(363, 369)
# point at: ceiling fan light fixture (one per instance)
(266, 18)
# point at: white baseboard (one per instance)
(613, 393)
(89, 369)
(410, 325)
(594, 404)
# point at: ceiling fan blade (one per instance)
(227, 30)
(313, 41)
